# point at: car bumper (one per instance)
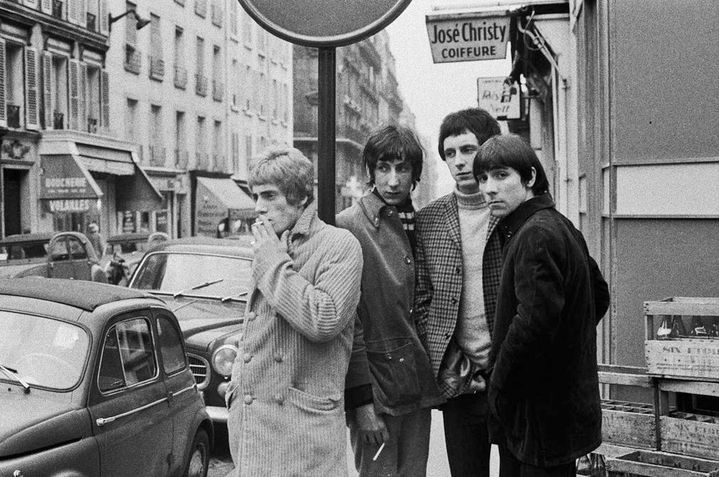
(217, 414)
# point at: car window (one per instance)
(77, 249)
(128, 356)
(173, 357)
(174, 272)
(42, 351)
(58, 250)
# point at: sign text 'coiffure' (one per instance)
(467, 37)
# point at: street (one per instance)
(437, 466)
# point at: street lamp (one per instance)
(140, 22)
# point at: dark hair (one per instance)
(391, 143)
(511, 150)
(474, 120)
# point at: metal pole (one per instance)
(326, 134)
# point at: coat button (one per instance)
(407, 260)
(250, 316)
(248, 399)
(458, 270)
(247, 357)
(280, 399)
(278, 357)
(454, 301)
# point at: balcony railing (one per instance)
(13, 116)
(91, 22)
(92, 125)
(201, 160)
(218, 90)
(57, 9)
(181, 158)
(133, 60)
(157, 156)
(157, 68)
(180, 77)
(200, 85)
(58, 120)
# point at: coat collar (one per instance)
(372, 207)
(511, 223)
(304, 223)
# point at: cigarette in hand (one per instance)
(379, 451)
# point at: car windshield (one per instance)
(42, 351)
(187, 274)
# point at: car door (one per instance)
(182, 390)
(81, 264)
(59, 263)
(129, 404)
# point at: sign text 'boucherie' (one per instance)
(467, 37)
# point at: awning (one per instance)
(65, 177)
(218, 199)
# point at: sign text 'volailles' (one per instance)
(466, 38)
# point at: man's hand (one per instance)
(371, 426)
(265, 236)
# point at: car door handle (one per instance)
(181, 391)
(101, 421)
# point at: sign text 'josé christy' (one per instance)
(460, 37)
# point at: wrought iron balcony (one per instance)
(58, 120)
(13, 116)
(157, 68)
(218, 90)
(200, 84)
(92, 125)
(180, 77)
(133, 60)
(91, 22)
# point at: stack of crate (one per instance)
(682, 356)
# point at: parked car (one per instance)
(122, 254)
(68, 255)
(205, 281)
(95, 381)
(23, 251)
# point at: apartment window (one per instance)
(133, 58)
(131, 126)
(56, 105)
(275, 100)
(234, 10)
(286, 103)
(179, 59)
(247, 29)
(181, 156)
(92, 98)
(157, 149)
(157, 64)
(200, 78)
(248, 88)
(235, 153)
(248, 147)
(217, 84)
(201, 143)
(234, 88)
(217, 157)
(11, 73)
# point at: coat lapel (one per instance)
(452, 215)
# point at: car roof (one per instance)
(34, 237)
(129, 236)
(204, 245)
(77, 293)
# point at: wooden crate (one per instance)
(684, 357)
(660, 464)
(690, 434)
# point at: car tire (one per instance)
(199, 458)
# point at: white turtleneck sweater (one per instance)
(472, 331)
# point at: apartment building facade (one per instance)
(200, 88)
(61, 167)
(368, 96)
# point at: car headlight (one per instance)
(223, 358)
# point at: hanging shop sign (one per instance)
(501, 100)
(467, 37)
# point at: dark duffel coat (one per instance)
(544, 389)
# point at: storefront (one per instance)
(82, 182)
(221, 207)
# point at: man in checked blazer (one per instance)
(458, 265)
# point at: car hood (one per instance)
(204, 321)
(32, 421)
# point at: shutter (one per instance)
(82, 104)
(31, 3)
(74, 94)
(47, 90)
(104, 20)
(73, 12)
(3, 107)
(105, 99)
(46, 6)
(32, 96)
(82, 13)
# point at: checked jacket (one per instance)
(439, 278)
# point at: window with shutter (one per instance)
(73, 11)
(47, 90)
(83, 102)
(105, 99)
(74, 93)
(46, 6)
(32, 108)
(31, 4)
(3, 96)
(104, 21)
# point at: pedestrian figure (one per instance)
(390, 384)
(544, 390)
(96, 239)
(458, 266)
(285, 398)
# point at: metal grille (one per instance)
(200, 370)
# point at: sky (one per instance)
(433, 90)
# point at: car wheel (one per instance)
(199, 459)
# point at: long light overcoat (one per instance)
(286, 394)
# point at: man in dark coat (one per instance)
(544, 391)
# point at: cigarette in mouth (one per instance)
(379, 451)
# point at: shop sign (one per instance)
(62, 178)
(501, 100)
(467, 37)
(68, 205)
(161, 221)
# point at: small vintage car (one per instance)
(205, 281)
(95, 381)
(122, 254)
(23, 251)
